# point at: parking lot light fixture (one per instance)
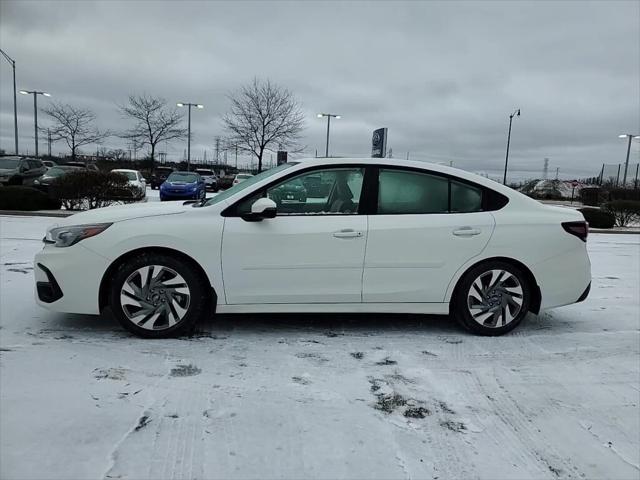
(189, 105)
(328, 115)
(35, 94)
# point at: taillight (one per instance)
(579, 229)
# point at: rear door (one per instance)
(425, 227)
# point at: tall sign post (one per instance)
(379, 143)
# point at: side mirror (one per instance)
(261, 209)
(143, 179)
(23, 168)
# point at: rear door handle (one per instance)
(466, 232)
(347, 233)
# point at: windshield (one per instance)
(129, 175)
(182, 177)
(58, 171)
(9, 163)
(247, 183)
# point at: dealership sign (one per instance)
(379, 143)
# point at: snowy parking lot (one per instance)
(321, 396)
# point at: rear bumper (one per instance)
(563, 279)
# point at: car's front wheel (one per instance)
(155, 295)
(492, 298)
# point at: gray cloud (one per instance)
(443, 77)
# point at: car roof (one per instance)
(124, 170)
(184, 171)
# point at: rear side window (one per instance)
(34, 164)
(465, 198)
(407, 192)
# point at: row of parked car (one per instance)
(173, 185)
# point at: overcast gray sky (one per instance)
(442, 76)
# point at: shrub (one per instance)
(598, 218)
(91, 189)
(624, 211)
(26, 199)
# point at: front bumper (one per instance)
(68, 279)
(185, 195)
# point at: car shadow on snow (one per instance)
(327, 325)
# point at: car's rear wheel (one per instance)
(492, 298)
(155, 295)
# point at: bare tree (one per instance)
(73, 125)
(154, 122)
(263, 115)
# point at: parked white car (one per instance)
(241, 177)
(379, 236)
(135, 179)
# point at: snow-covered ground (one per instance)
(385, 396)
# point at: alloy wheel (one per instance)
(495, 298)
(155, 297)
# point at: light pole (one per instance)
(189, 105)
(35, 94)
(626, 163)
(328, 115)
(15, 108)
(506, 160)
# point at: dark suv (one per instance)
(159, 175)
(20, 171)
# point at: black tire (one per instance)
(198, 295)
(460, 305)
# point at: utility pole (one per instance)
(626, 163)
(15, 108)
(49, 141)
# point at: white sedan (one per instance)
(369, 235)
(134, 179)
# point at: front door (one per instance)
(311, 252)
(425, 229)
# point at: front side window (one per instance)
(407, 192)
(319, 192)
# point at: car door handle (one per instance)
(347, 233)
(466, 232)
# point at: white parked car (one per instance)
(241, 177)
(374, 235)
(135, 179)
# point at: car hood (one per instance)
(7, 171)
(126, 212)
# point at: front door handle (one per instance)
(347, 233)
(466, 232)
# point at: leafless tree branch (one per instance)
(263, 116)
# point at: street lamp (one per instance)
(35, 94)
(626, 163)
(328, 115)
(189, 105)
(506, 160)
(15, 108)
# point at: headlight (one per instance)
(67, 236)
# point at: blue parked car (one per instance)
(183, 186)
